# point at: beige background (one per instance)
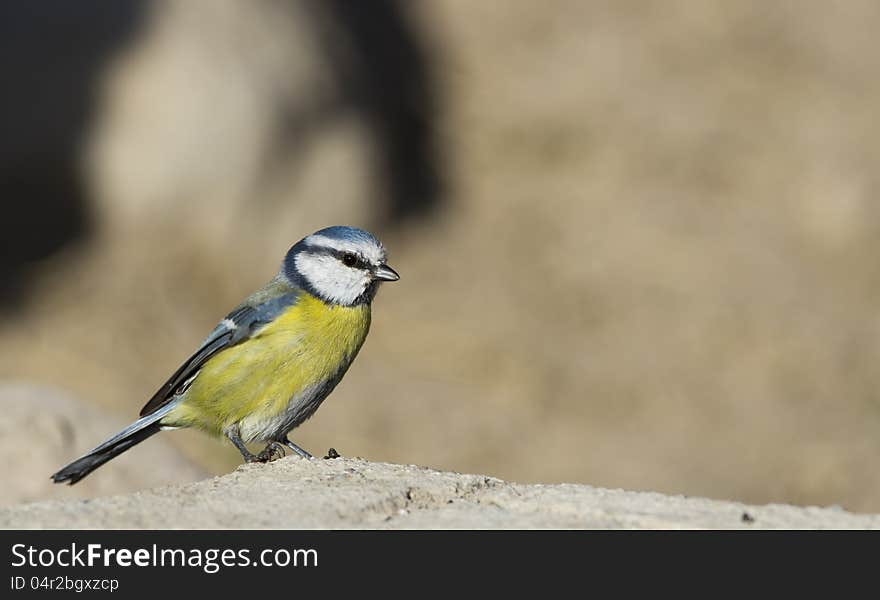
(655, 266)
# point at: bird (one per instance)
(270, 363)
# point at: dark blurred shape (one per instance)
(385, 75)
(52, 54)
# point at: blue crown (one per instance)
(346, 233)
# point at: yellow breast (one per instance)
(253, 382)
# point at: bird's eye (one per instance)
(349, 259)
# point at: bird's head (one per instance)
(340, 265)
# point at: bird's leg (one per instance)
(245, 453)
(295, 448)
(272, 451)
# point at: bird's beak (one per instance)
(385, 273)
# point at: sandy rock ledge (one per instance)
(354, 493)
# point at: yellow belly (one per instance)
(251, 384)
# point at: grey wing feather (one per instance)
(238, 326)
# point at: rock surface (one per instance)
(42, 429)
(354, 493)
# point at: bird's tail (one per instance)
(132, 435)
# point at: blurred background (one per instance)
(637, 239)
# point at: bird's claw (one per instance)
(302, 453)
(272, 451)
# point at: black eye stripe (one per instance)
(349, 259)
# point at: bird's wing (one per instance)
(236, 327)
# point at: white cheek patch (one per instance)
(331, 279)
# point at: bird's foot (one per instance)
(302, 453)
(272, 451)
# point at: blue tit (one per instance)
(270, 363)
